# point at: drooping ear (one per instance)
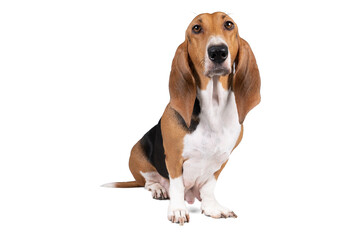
(246, 81)
(182, 84)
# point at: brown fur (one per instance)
(138, 163)
(240, 137)
(217, 173)
(182, 84)
(130, 184)
(173, 135)
(246, 83)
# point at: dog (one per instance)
(214, 82)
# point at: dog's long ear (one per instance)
(182, 84)
(246, 81)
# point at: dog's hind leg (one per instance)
(157, 185)
(146, 174)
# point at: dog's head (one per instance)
(213, 48)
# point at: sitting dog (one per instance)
(214, 83)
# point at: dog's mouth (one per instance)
(217, 71)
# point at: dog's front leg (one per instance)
(209, 205)
(177, 212)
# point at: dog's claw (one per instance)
(179, 216)
(187, 217)
(217, 211)
(232, 214)
(157, 191)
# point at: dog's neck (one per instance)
(216, 102)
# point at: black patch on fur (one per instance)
(152, 145)
(194, 117)
(152, 142)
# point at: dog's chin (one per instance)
(219, 71)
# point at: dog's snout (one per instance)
(218, 53)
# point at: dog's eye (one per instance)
(196, 29)
(229, 25)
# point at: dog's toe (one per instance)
(215, 210)
(180, 216)
(157, 191)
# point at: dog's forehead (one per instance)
(210, 18)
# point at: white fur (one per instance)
(109, 185)
(209, 205)
(156, 184)
(155, 177)
(177, 209)
(210, 145)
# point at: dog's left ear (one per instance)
(246, 81)
(182, 84)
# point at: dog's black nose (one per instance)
(218, 53)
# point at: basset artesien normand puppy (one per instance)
(214, 83)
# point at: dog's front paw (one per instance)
(215, 210)
(178, 214)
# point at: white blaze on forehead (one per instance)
(215, 40)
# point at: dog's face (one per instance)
(212, 43)
(213, 49)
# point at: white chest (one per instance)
(210, 145)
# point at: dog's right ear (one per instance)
(182, 84)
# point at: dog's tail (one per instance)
(131, 184)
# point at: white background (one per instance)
(82, 81)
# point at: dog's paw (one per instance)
(178, 215)
(215, 210)
(157, 191)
